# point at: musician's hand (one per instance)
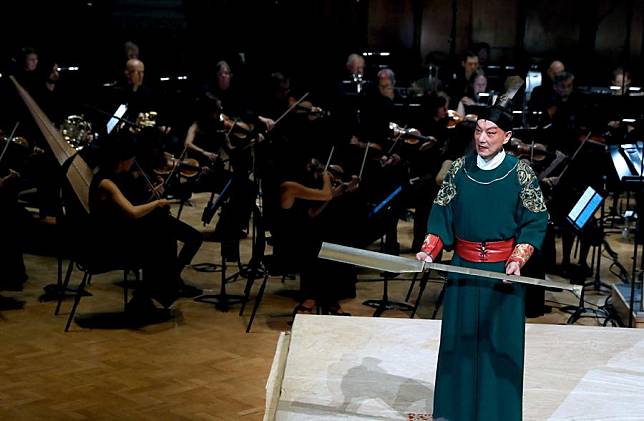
(353, 184)
(8, 178)
(158, 189)
(165, 129)
(467, 101)
(512, 268)
(424, 257)
(38, 151)
(390, 161)
(268, 122)
(162, 203)
(429, 144)
(210, 155)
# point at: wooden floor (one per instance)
(201, 365)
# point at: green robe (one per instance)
(480, 362)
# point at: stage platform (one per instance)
(362, 368)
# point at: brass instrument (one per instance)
(77, 131)
(148, 119)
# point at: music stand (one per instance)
(384, 303)
(578, 217)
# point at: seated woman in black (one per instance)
(297, 236)
(140, 230)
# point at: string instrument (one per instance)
(592, 138)
(410, 136)
(79, 174)
(13, 147)
(534, 151)
(338, 185)
(185, 167)
(454, 118)
(307, 108)
(239, 134)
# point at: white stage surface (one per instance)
(363, 368)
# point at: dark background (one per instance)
(310, 39)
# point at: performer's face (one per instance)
(489, 138)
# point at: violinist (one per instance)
(297, 237)
(205, 139)
(301, 124)
(234, 101)
(383, 172)
(424, 160)
(140, 230)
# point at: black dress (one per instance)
(148, 241)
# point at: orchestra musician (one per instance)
(14, 220)
(297, 237)
(423, 160)
(457, 87)
(476, 85)
(124, 219)
(205, 141)
(383, 172)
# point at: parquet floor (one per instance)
(201, 365)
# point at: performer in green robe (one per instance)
(490, 210)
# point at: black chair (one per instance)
(90, 269)
(86, 251)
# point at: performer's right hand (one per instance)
(424, 257)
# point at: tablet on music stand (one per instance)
(585, 207)
(118, 114)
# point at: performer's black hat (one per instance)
(501, 112)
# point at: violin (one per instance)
(16, 141)
(307, 108)
(592, 137)
(338, 185)
(236, 128)
(186, 167)
(454, 118)
(534, 151)
(410, 136)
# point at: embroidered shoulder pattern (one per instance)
(531, 195)
(448, 188)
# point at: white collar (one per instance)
(492, 163)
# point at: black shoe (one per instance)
(336, 310)
(15, 283)
(140, 305)
(9, 303)
(142, 311)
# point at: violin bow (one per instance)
(364, 160)
(289, 109)
(328, 161)
(398, 136)
(153, 190)
(172, 171)
(318, 211)
(10, 139)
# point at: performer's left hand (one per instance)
(512, 268)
